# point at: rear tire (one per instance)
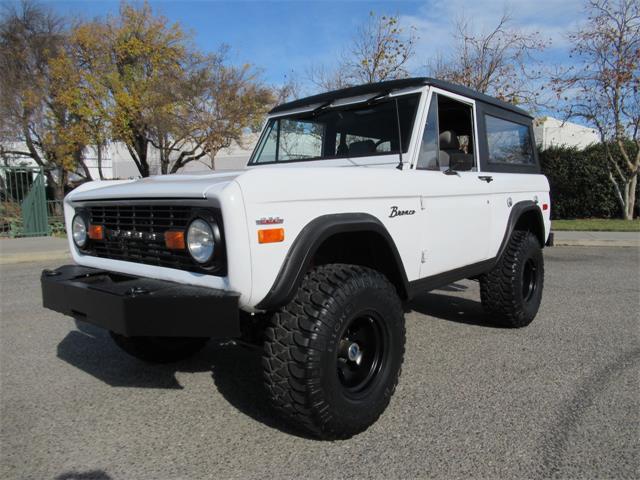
(333, 355)
(159, 349)
(511, 293)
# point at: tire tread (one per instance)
(498, 287)
(291, 360)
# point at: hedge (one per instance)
(580, 185)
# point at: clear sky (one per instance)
(281, 37)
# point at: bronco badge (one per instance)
(397, 213)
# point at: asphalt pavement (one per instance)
(558, 399)
(33, 249)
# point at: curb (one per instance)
(34, 257)
(595, 243)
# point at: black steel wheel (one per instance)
(361, 353)
(333, 355)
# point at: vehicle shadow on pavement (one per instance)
(237, 374)
(92, 350)
(236, 371)
(452, 308)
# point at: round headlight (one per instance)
(79, 231)
(200, 241)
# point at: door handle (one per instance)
(486, 178)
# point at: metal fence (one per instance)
(25, 210)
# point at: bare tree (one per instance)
(213, 104)
(326, 78)
(380, 50)
(603, 89)
(287, 91)
(500, 62)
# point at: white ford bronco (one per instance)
(353, 202)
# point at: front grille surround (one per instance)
(135, 233)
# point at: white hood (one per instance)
(165, 186)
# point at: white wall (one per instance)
(91, 161)
(117, 162)
(553, 132)
(233, 158)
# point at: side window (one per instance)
(455, 135)
(428, 156)
(509, 142)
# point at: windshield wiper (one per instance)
(316, 111)
(368, 100)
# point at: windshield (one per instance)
(358, 130)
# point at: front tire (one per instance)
(512, 291)
(333, 355)
(159, 349)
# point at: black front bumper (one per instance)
(135, 306)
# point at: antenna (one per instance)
(400, 163)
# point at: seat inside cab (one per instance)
(455, 139)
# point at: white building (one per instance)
(118, 164)
(551, 132)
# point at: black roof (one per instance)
(390, 85)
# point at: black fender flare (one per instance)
(517, 211)
(298, 259)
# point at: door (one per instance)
(456, 213)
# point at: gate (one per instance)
(23, 202)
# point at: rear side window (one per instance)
(509, 143)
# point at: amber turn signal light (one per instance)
(271, 235)
(96, 232)
(174, 240)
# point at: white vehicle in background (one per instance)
(353, 202)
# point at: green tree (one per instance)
(149, 87)
(579, 182)
(137, 57)
(79, 74)
(33, 106)
(604, 89)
